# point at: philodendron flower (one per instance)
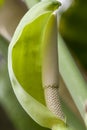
(33, 65)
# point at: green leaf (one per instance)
(30, 3)
(72, 119)
(25, 62)
(72, 77)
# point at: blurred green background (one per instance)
(72, 27)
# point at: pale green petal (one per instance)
(24, 63)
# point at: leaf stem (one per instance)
(72, 77)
